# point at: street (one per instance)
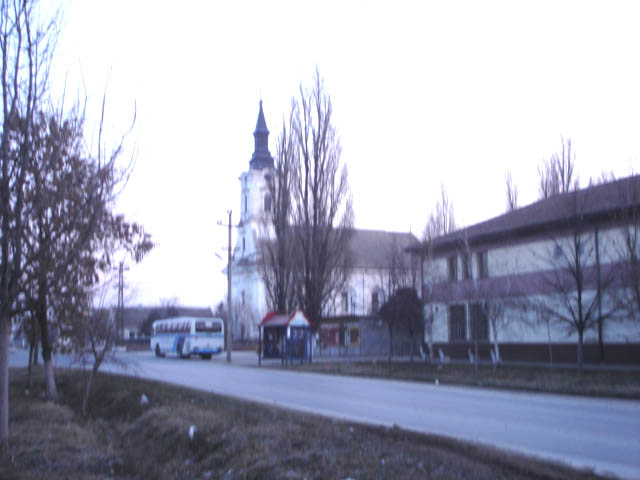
(602, 434)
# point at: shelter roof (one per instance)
(297, 318)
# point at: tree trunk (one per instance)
(599, 294)
(52, 394)
(49, 375)
(87, 391)
(412, 348)
(5, 332)
(30, 364)
(550, 349)
(580, 343)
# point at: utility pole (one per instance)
(120, 321)
(230, 314)
(229, 322)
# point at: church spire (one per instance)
(261, 156)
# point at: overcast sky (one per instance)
(424, 93)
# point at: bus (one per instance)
(186, 336)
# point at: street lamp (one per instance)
(229, 310)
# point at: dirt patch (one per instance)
(230, 439)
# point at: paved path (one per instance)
(583, 432)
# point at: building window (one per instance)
(243, 297)
(457, 322)
(375, 302)
(478, 322)
(466, 266)
(557, 253)
(267, 203)
(243, 245)
(245, 204)
(345, 302)
(483, 264)
(453, 268)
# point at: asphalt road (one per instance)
(600, 434)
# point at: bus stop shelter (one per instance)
(285, 336)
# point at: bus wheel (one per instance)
(205, 356)
(158, 353)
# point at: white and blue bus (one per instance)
(186, 336)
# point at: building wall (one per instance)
(520, 262)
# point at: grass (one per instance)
(596, 383)
(234, 439)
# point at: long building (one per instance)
(535, 279)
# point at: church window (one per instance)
(267, 203)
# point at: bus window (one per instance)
(214, 327)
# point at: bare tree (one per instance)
(512, 193)
(322, 211)
(556, 174)
(575, 280)
(277, 243)
(397, 269)
(442, 220)
(26, 46)
(628, 251)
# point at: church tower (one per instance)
(255, 205)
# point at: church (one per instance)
(366, 288)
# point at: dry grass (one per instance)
(614, 384)
(234, 439)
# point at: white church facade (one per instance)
(365, 290)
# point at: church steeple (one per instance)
(261, 157)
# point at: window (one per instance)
(245, 204)
(242, 297)
(479, 322)
(243, 245)
(214, 327)
(557, 251)
(374, 302)
(466, 266)
(267, 203)
(457, 322)
(345, 302)
(354, 336)
(453, 268)
(483, 264)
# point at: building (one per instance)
(371, 251)
(512, 278)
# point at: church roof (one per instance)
(261, 124)
(372, 248)
(261, 157)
